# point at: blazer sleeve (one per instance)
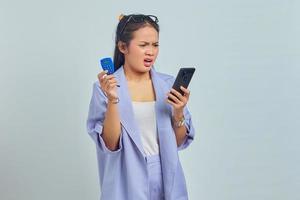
(190, 133)
(96, 115)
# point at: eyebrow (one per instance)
(149, 42)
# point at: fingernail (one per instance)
(103, 76)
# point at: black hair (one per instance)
(124, 33)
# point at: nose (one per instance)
(149, 51)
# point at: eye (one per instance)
(156, 45)
(142, 45)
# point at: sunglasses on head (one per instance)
(139, 19)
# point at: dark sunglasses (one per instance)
(139, 19)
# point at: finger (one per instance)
(110, 76)
(105, 76)
(101, 77)
(185, 90)
(173, 97)
(105, 79)
(111, 80)
(106, 87)
(171, 102)
(101, 74)
(111, 86)
(106, 84)
(177, 94)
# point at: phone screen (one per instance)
(183, 78)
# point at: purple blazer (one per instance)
(123, 173)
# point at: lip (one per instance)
(149, 63)
(149, 59)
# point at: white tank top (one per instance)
(144, 113)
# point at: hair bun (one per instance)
(121, 17)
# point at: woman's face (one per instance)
(142, 51)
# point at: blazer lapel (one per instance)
(167, 141)
(126, 111)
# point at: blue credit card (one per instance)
(107, 64)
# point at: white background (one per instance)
(244, 96)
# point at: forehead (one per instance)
(146, 33)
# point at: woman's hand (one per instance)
(108, 85)
(179, 101)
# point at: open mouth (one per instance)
(148, 62)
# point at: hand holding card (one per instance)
(107, 64)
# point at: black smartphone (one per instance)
(183, 78)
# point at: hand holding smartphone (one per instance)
(183, 78)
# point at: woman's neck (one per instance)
(135, 76)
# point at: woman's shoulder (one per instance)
(166, 77)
